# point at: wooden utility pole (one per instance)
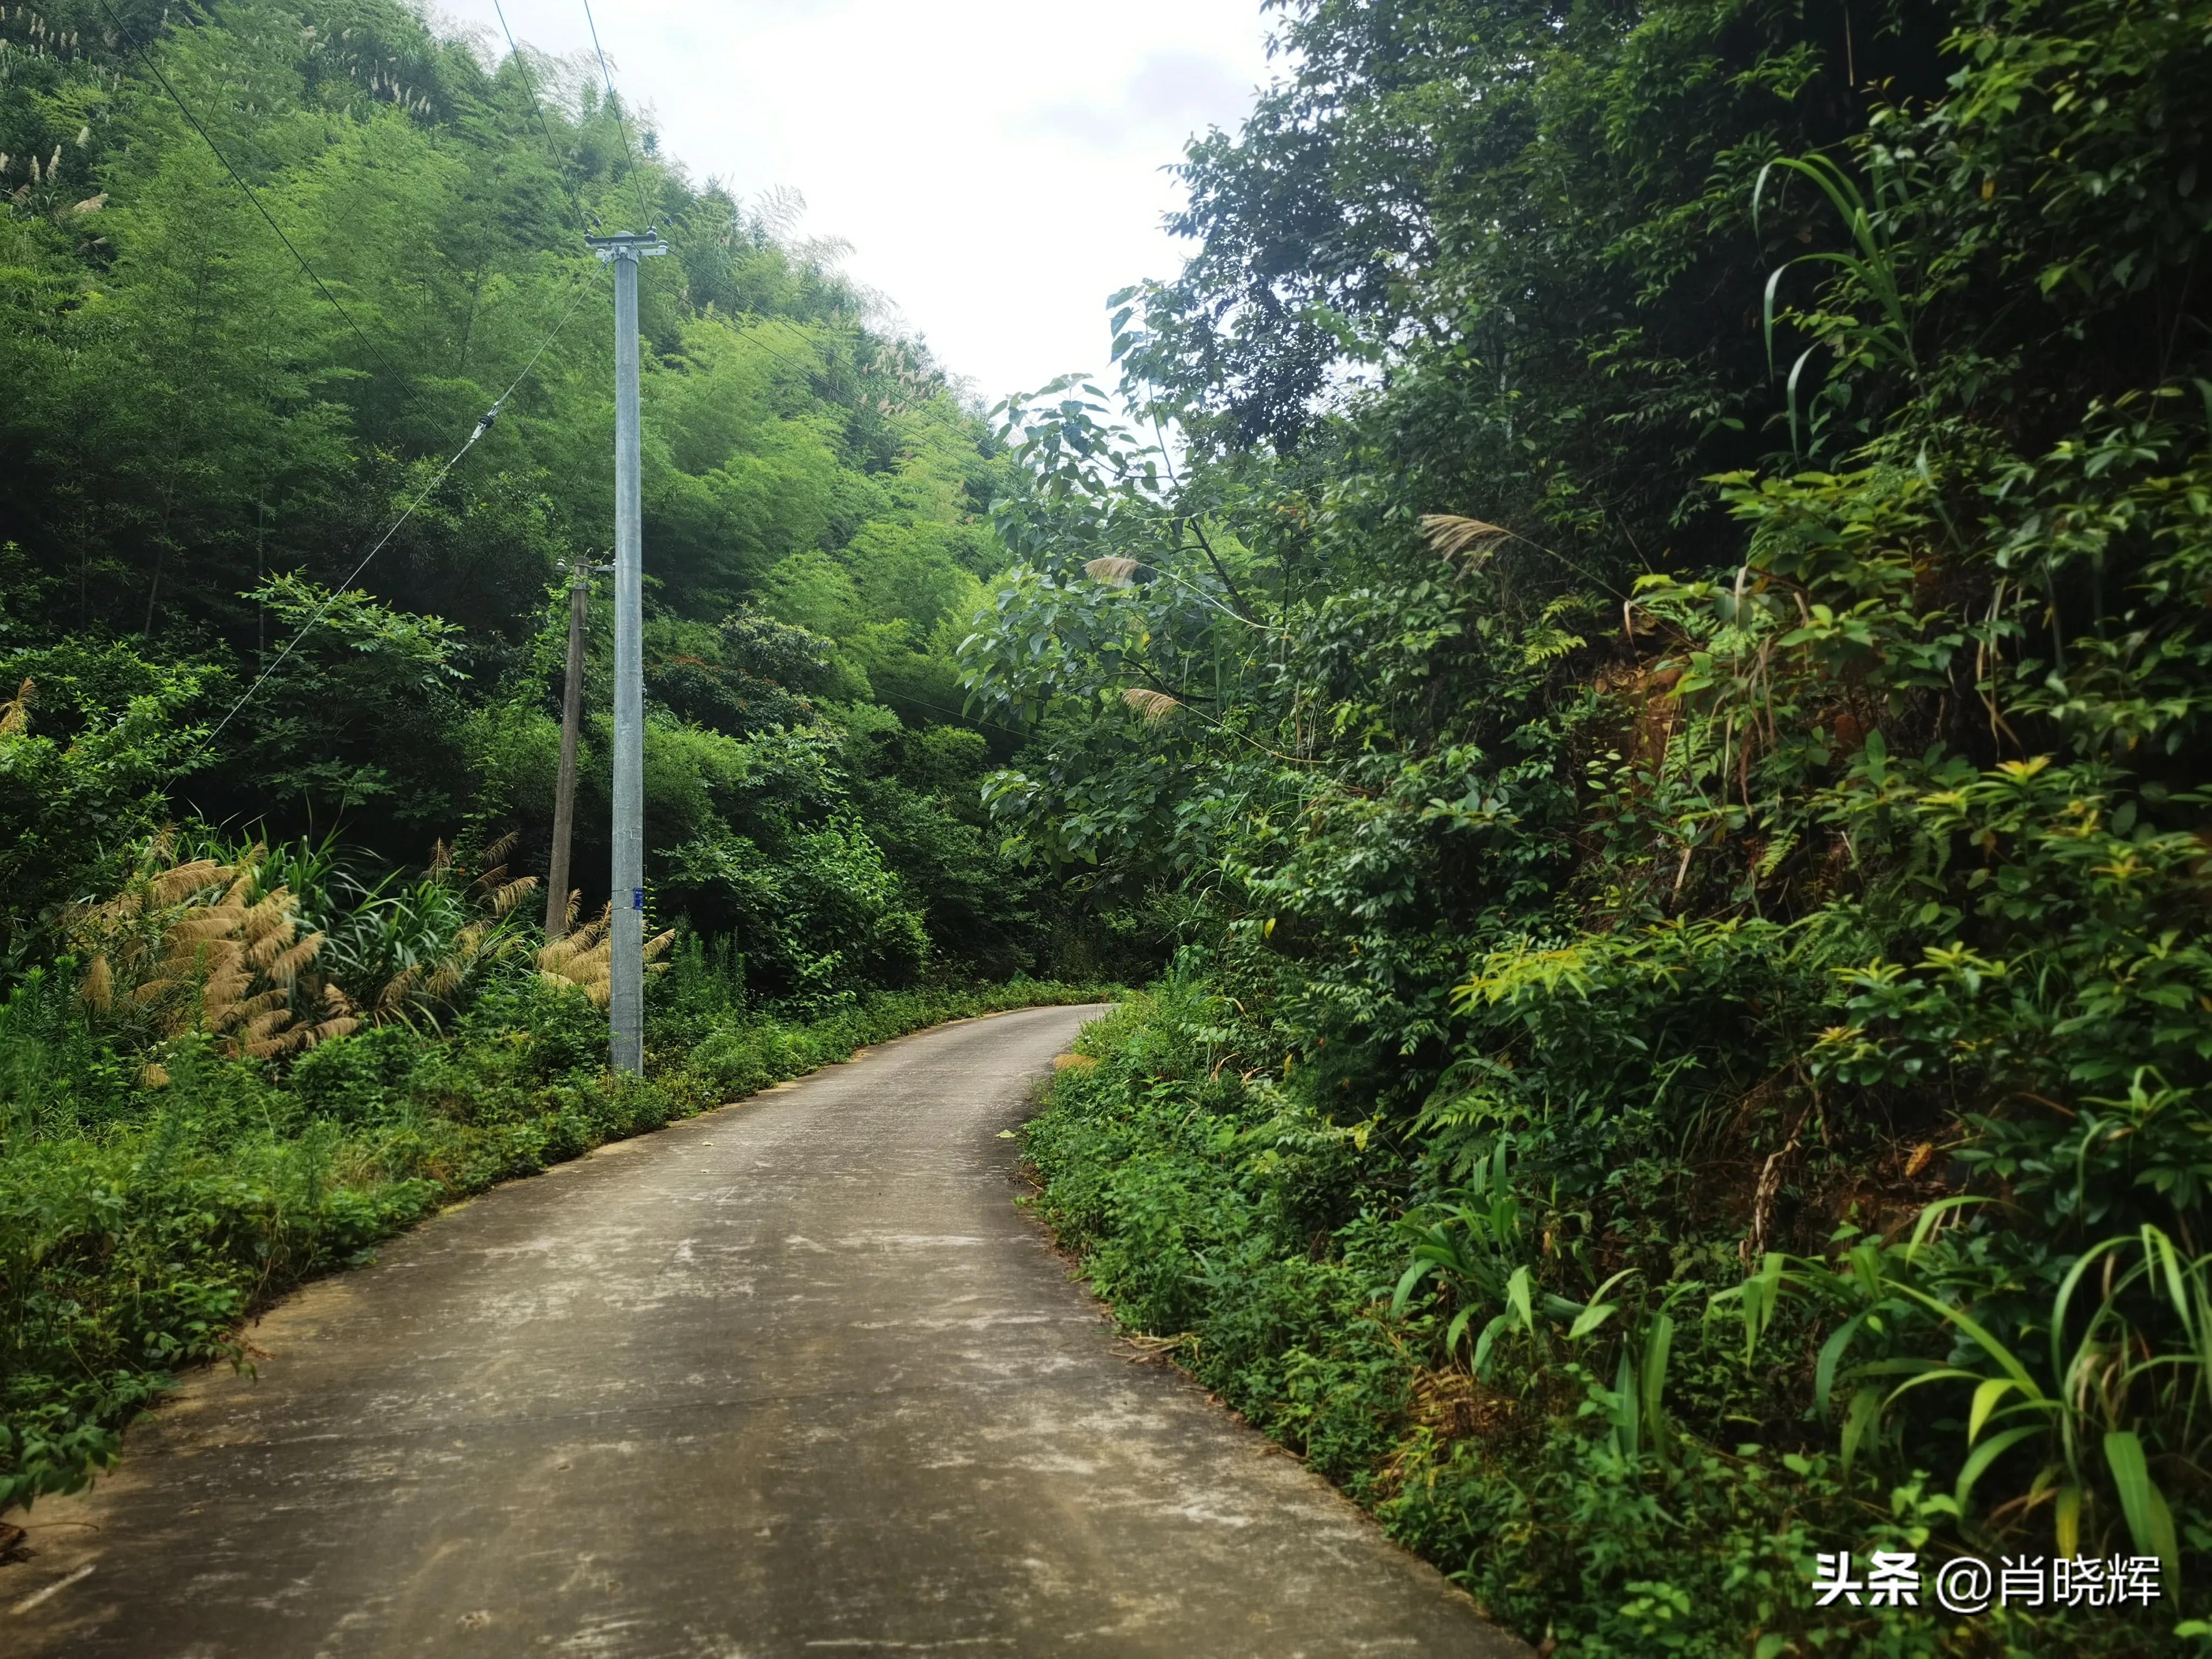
(572, 719)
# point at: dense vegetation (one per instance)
(1667, 682)
(1641, 631)
(272, 979)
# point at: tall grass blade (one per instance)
(2149, 1520)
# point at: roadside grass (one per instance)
(141, 1222)
(1610, 1488)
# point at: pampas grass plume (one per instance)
(1453, 536)
(1112, 572)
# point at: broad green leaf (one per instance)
(1860, 1416)
(2066, 1520)
(1832, 1352)
(1656, 1349)
(1985, 1401)
(1986, 1454)
(1627, 1421)
(1407, 1280)
(1588, 1320)
(2149, 1520)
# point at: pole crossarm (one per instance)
(628, 244)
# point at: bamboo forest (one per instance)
(1605, 696)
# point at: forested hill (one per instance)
(203, 438)
(1639, 626)
(274, 814)
(1671, 684)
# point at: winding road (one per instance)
(794, 1377)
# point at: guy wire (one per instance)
(483, 425)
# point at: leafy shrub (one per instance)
(1601, 1471)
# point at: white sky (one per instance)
(994, 164)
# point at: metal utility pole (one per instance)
(626, 936)
(572, 719)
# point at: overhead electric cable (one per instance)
(523, 66)
(483, 425)
(637, 166)
(251, 194)
(530, 87)
(743, 334)
(607, 75)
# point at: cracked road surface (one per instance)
(794, 1377)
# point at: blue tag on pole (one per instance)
(637, 898)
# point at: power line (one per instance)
(637, 166)
(614, 101)
(251, 196)
(530, 87)
(575, 300)
(743, 334)
(483, 425)
(515, 52)
(606, 75)
(958, 715)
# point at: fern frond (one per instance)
(1550, 645)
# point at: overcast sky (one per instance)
(994, 164)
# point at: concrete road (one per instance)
(795, 1377)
